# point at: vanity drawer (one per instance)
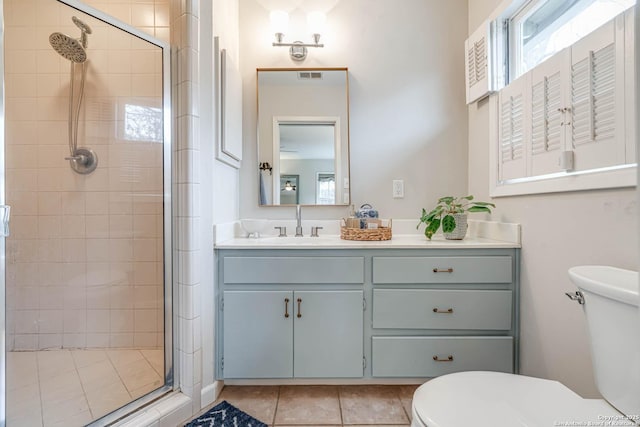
(414, 356)
(281, 270)
(441, 309)
(471, 269)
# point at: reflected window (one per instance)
(142, 123)
(326, 189)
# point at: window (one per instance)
(545, 27)
(567, 121)
(326, 188)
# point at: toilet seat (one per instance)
(495, 399)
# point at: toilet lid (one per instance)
(494, 399)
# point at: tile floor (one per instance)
(72, 387)
(344, 405)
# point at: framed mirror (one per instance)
(303, 136)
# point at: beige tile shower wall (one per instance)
(85, 257)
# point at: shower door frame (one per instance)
(170, 373)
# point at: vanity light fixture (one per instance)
(297, 49)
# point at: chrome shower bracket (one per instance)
(84, 161)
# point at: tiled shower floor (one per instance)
(325, 405)
(72, 387)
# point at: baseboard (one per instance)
(210, 393)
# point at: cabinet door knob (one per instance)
(448, 359)
(299, 312)
(286, 307)
(447, 311)
(442, 270)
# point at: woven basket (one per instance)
(371, 234)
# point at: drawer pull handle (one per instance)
(286, 307)
(443, 270)
(299, 302)
(448, 359)
(447, 311)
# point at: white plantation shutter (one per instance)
(477, 63)
(593, 97)
(512, 130)
(597, 100)
(547, 115)
(574, 112)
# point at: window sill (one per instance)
(596, 179)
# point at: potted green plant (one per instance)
(451, 213)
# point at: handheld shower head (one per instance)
(68, 47)
(84, 28)
(80, 24)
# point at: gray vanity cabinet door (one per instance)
(328, 335)
(258, 331)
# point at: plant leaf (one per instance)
(479, 209)
(448, 224)
(447, 200)
(484, 204)
(432, 227)
(469, 197)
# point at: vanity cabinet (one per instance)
(366, 312)
(292, 317)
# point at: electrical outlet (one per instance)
(398, 189)
(346, 184)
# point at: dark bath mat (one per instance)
(225, 415)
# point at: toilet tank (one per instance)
(613, 320)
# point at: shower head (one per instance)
(80, 24)
(68, 47)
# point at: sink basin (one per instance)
(611, 282)
(306, 240)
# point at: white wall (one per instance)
(408, 118)
(558, 231)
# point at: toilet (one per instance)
(495, 399)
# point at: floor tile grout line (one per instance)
(340, 407)
(399, 397)
(84, 392)
(273, 423)
(40, 390)
(118, 374)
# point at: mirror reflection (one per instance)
(303, 140)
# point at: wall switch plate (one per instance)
(346, 183)
(398, 189)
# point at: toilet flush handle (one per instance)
(578, 296)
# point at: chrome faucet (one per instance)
(298, 221)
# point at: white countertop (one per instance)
(401, 241)
(481, 234)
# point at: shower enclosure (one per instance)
(87, 265)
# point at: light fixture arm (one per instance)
(299, 44)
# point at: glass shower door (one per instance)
(87, 177)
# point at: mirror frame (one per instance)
(334, 120)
